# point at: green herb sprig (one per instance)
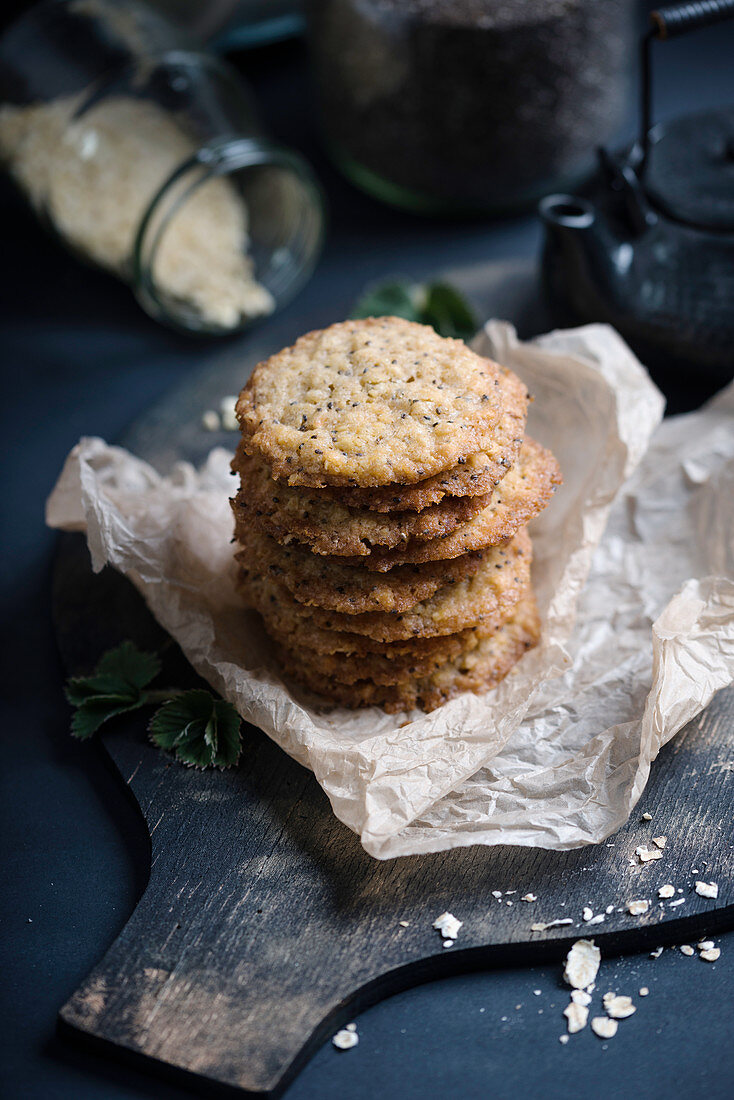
(199, 729)
(437, 304)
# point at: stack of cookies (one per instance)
(385, 487)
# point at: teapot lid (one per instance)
(689, 173)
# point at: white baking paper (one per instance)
(634, 573)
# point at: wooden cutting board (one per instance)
(264, 926)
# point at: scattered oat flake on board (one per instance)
(686, 949)
(403, 923)
(577, 1015)
(647, 817)
(705, 945)
(586, 913)
(598, 919)
(710, 954)
(539, 927)
(496, 893)
(678, 901)
(582, 964)
(604, 1027)
(636, 908)
(563, 1039)
(528, 897)
(580, 997)
(447, 925)
(667, 891)
(645, 855)
(660, 841)
(210, 421)
(609, 909)
(656, 953)
(644, 991)
(707, 889)
(619, 1007)
(345, 1039)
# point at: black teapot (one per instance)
(648, 245)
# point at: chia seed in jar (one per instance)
(473, 104)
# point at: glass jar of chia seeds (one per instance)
(476, 105)
(145, 156)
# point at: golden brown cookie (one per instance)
(368, 403)
(412, 661)
(519, 497)
(484, 598)
(479, 670)
(474, 475)
(328, 527)
(327, 583)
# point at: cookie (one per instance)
(327, 583)
(479, 670)
(415, 659)
(369, 403)
(519, 497)
(474, 475)
(484, 598)
(328, 527)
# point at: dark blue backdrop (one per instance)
(78, 357)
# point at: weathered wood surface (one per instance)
(264, 926)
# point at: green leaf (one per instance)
(200, 729)
(449, 312)
(116, 686)
(437, 304)
(391, 299)
(97, 710)
(124, 671)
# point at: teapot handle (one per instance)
(665, 23)
(671, 21)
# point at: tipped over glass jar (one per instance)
(145, 157)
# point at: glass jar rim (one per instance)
(216, 160)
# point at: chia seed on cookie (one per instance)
(497, 585)
(327, 583)
(369, 403)
(287, 512)
(479, 670)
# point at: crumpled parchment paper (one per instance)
(634, 573)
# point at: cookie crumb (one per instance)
(345, 1039)
(619, 1007)
(707, 889)
(604, 1027)
(577, 1016)
(540, 927)
(645, 855)
(582, 964)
